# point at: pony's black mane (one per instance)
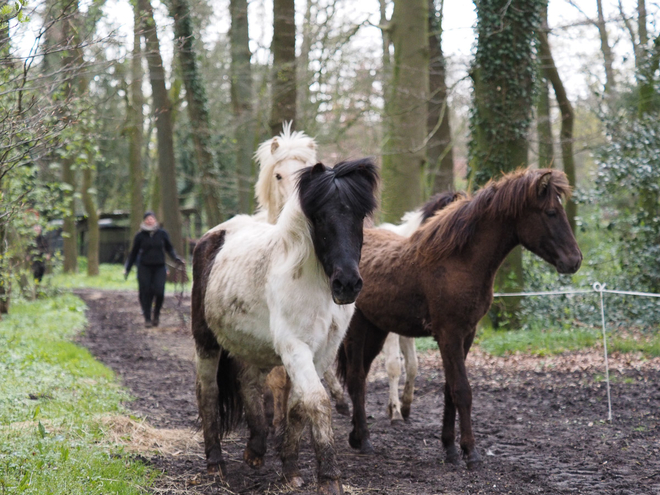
(440, 201)
(353, 183)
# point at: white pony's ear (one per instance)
(543, 182)
(312, 144)
(274, 145)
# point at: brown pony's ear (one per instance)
(543, 182)
(273, 146)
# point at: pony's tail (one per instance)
(341, 364)
(230, 403)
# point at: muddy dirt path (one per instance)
(538, 422)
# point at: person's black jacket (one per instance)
(151, 247)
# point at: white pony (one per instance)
(395, 343)
(267, 295)
(279, 159)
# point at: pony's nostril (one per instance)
(337, 286)
(358, 285)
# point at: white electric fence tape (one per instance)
(600, 289)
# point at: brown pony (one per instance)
(439, 282)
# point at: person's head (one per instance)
(150, 219)
(37, 228)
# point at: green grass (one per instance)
(536, 341)
(52, 394)
(649, 346)
(110, 277)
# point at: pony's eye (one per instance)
(551, 213)
(278, 176)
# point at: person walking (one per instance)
(38, 254)
(149, 248)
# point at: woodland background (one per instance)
(108, 105)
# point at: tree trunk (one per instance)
(283, 48)
(305, 109)
(647, 64)
(92, 222)
(5, 276)
(503, 73)
(567, 120)
(136, 129)
(68, 61)
(440, 153)
(543, 118)
(198, 112)
(162, 109)
(241, 98)
(406, 110)
(605, 49)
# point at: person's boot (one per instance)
(148, 323)
(156, 320)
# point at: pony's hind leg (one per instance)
(207, 391)
(337, 392)
(410, 358)
(362, 344)
(393, 365)
(252, 382)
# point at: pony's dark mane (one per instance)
(451, 229)
(440, 201)
(354, 182)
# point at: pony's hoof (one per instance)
(216, 469)
(343, 409)
(474, 461)
(366, 448)
(252, 460)
(394, 414)
(353, 441)
(452, 456)
(294, 481)
(330, 487)
(405, 412)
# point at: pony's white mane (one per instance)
(296, 237)
(289, 145)
(409, 223)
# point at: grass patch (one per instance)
(110, 277)
(425, 344)
(648, 345)
(536, 341)
(52, 394)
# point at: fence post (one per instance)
(600, 288)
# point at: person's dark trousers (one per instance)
(151, 281)
(38, 270)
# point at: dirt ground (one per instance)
(539, 422)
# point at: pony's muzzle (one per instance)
(346, 287)
(571, 264)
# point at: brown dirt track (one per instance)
(538, 422)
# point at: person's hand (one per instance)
(180, 260)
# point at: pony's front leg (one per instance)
(206, 388)
(410, 358)
(458, 396)
(309, 403)
(393, 365)
(252, 382)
